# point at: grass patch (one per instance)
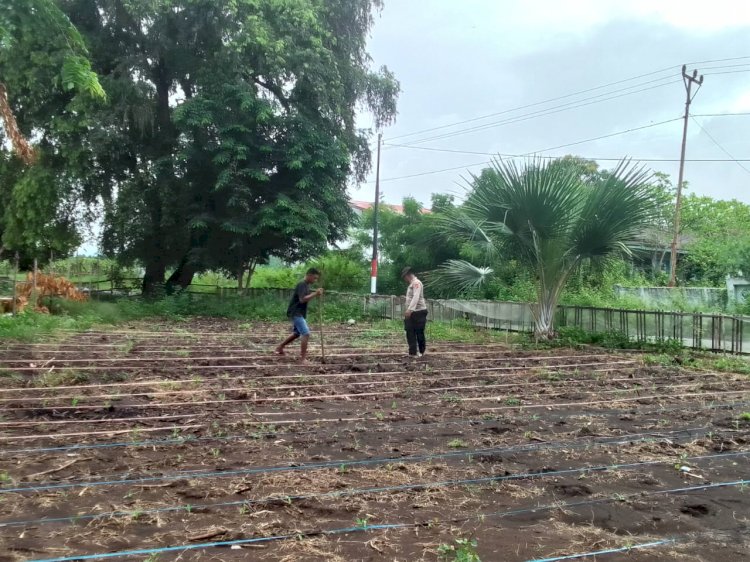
(569, 336)
(723, 364)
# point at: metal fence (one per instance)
(714, 332)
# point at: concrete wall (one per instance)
(738, 290)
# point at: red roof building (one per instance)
(361, 206)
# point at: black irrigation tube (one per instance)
(199, 474)
(374, 490)
(481, 373)
(400, 392)
(387, 526)
(642, 383)
(188, 440)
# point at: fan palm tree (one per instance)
(549, 217)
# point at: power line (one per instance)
(609, 135)
(429, 172)
(573, 94)
(697, 62)
(719, 145)
(726, 72)
(533, 115)
(603, 158)
(720, 114)
(535, 104)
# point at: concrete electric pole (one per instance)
(374, 266)
(689, 80)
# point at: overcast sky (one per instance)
(458, 61)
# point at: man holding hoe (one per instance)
(297, 312)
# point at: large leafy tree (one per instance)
(230, 134)
(45, 82)
(552, 219)
(717, 239)
(409, 238)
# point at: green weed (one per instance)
(462, 550)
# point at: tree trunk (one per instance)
(546, 306)
(544, 321)
(250, 270)
(153, 280)
(182, 276)
(20, 144)
(240, 277)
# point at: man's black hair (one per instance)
(313, 271)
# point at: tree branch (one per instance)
(275, 90)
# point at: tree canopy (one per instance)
(229, 135)
(45, 81)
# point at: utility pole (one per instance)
(374, 266)
(689, 80)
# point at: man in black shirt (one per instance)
(297, 312)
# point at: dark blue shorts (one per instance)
(300, 327)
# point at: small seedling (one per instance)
(152, 558)
(394, 405)
(463, 550)
(343, 469)
(362, 522)
(5, 478)
(457, 444)
(74, 402)
(745, 416)
(215, 453)
(380, 416)
(513, 402)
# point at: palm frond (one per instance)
(479, 233)
(459, 275)
(617, 208)
(538, 194)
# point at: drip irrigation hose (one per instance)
(651, 544)
(346, 530)
(243, 437)
(362, 491)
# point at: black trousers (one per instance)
(414, 326)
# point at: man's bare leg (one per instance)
(303, 348)
(286, 342)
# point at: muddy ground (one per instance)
(159, 435)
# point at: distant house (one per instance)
(360, 207)
(652, 248)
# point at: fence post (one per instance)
(33, 282)
(15, 285)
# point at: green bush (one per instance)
(572, 336)
(340, 272)
(275, 277)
